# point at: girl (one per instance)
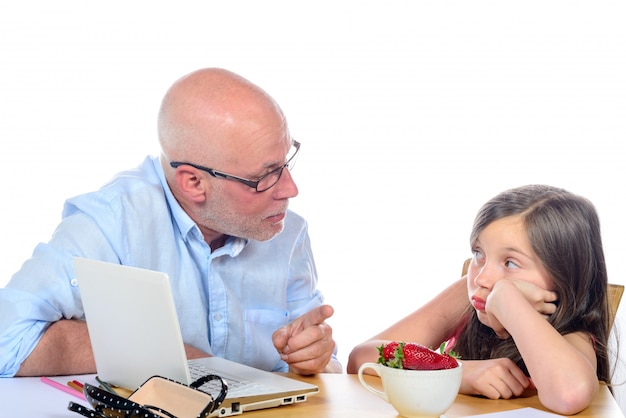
(532, 311)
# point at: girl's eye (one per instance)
(477, 254)
(510, 264)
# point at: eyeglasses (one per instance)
(263, 183)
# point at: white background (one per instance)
(411, 115)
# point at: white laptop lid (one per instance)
(135, 334)
(129, 317)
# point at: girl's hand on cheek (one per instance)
(543, 301)
(507, 294)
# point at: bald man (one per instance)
(212, 212)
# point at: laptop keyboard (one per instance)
(236, 388)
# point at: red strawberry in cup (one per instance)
(387, 352)
(413, 356)
(416, 380)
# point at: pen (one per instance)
(76, 386)
(106, 386)
(62, 387)
(116, 390)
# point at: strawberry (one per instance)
(386, 352)
(415, 356)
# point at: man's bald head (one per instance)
(205, 111)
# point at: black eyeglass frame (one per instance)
(250, 183)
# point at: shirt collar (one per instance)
(187, 227)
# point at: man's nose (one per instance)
(286, 186)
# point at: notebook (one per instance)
(135, 334)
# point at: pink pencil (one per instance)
(62, 387)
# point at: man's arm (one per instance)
(64, 349)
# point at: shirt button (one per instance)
(74, 282)
(217, 317)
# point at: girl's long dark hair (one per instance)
(564, 232)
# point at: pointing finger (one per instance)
(319, 315)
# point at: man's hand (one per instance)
(307, 344)
(194, 353)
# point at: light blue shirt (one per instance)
(229, 302)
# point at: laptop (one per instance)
(135, 334)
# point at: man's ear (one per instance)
(191, 186)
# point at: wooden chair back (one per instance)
(615, 292)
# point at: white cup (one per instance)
(416, 393)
